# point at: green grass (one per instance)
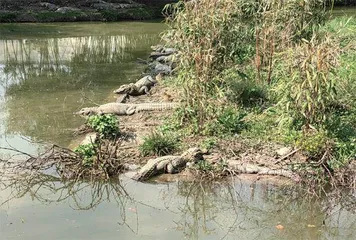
(305, 98)
(159, 144)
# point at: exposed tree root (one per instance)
(68, 164)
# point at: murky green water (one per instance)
(48, 71)
(344, 11)
(131, 210)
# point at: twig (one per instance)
(286, 156)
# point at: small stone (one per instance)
(283, 151)
(49, 6)
(131, 167)
(89, 138)
(67, 10)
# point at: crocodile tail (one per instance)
(137, 177)
(156, 106)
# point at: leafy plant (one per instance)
(232, 120)
(88, 153)
(314, 143)
(158, 144)
(106, 125)
(311, 87)
(242, 88)
(208, 143)
(234, 32)
(204, 166)
(208, 44)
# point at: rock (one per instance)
(283, 151)
(131, 167)
(104, 6)
(95, 1)
(89, 138)
(49, 6)
(26, 17)
(67, 10)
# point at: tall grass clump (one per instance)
(214, 36)
(282, 24)
(158, 144)
(211, 35)
(307, 84)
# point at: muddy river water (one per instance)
(49, 71)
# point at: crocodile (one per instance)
(239, 168)
(125, 108)
(141, 87)
(168, 164)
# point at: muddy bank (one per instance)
(72, 11)
(123, 153)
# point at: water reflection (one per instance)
(44, 80)
(45, 60)
(234, 210)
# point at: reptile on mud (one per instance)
(141, 87)
(126, 108)
(168, 164)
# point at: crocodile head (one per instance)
(151, 79)
(193, 154)
(126, 88)
(85, 111)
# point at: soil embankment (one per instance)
(83, 10)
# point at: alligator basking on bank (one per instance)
(168, 164)
(125, 108)
(235, 166)
(141, 87)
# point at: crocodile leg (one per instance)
(122, 98)
(144, 89)
(131, 110)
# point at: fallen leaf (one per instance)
(280, 227)
(132, 209)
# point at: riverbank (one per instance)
(294, 88)
(147, 135)
(233, 115)
(73, 11)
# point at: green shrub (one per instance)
(232, 120)
(307, 84)
(106, 125)
(204, 166)
(228, 121)
(208, 45)
(314, 143)
(8, 16)
(242, 88)
(208, 143)
(158, 144)
(88, 153)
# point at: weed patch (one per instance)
(88, 153)
(268, 70)
(158, 144)
(106, 125)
